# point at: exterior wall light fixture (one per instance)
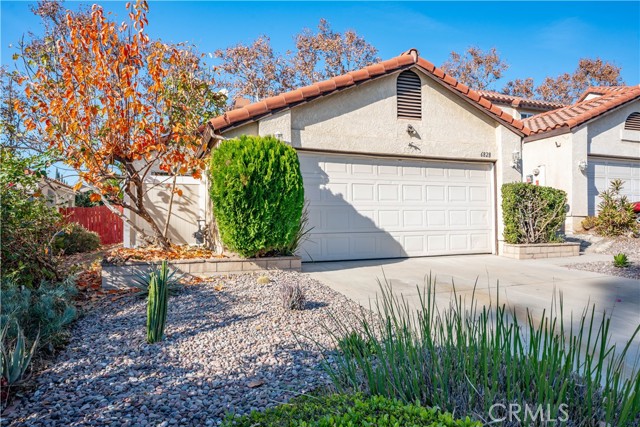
(583, 165)
(516, 156)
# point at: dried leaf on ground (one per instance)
(157, 253)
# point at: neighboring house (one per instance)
(398, 159)
(57, 193)
(582, 147)
(518, 107)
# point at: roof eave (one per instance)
(567, 129)
(547, 134)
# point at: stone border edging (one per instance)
(122, 276)
(541, 250)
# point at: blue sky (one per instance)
(536, 39)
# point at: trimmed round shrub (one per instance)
(77, 239)
(532, 213)
(257, 195)
(341, 410)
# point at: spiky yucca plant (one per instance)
(157, 303)
(15, 361)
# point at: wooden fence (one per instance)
(99, 219)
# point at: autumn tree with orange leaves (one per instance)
(118, 106)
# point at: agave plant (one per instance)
(15, 361)
(142, 282)
(158, 289)
(620, 260)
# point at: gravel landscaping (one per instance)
(229, 345)
(610, 246)
(606, 267)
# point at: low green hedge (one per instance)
(532, 213)
(77, 239)
(257, 195)
(342, 410)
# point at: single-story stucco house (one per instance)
(57, 193)
(582, 147)
(398, 160)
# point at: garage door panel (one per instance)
(478, 194)
(479, 241)
(412, 193)
(479, 218)
(363, 208)
(457, 193)
(388, 193)
(435, 193)
(602, 171)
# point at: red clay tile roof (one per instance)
(576, 114)
(406, 60)
(602, 90)
(517, 101)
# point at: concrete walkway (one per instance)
(527, 284)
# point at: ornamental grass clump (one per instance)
(157, 303)
(466, 358)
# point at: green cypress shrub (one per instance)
(532, 213)
(257, 195)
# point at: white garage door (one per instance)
(365, 208)
(602, 171)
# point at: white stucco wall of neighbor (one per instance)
(364, 120)
(557, 158)
(606, 136)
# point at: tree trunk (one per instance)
(144, 214)
(170, 208)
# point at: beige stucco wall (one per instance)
(364, 120)
(248, 129)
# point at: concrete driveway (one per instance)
(523, 284)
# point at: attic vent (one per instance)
(632, 122)
(409, 91)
